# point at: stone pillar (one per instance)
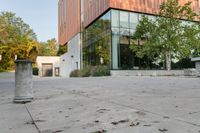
(23, 81)
(197, 64)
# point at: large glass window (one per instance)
(115, 31)
(115, 53)
(107, 41)
(133, 20)
(124, 31)
(132, 32)
(115, 18)
(97, 41)
(117, 28)
(124, 40)
(126, 57)
(124, 19)
(152, 17)
(121, 54)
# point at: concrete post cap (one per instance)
(23, 61)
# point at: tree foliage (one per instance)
(168, 37)
(48, 48)
(16, 38)
(62, 49)
(14, 30)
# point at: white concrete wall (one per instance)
(55, 60)
(72, 59)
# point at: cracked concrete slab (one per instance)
(15, 119)
(105, 104)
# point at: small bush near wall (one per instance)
(100, 71)
(2, 70)
(74, 73)
(35, 71)
(86, 72)
(94, 71)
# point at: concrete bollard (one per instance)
(197, 65)
(23, 81)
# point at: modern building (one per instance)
(99, 31)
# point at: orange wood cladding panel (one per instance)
(69, 19)
(93, 9)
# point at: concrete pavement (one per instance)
(106, 104)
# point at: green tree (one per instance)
(14, 30)
(62, 49)
(16, 38)
(53, 46)
(48, 48)
(168, 37)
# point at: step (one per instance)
(147, 73)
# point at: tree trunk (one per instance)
(168, 61)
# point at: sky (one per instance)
(41, 15)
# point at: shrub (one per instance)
(74, 73)
(95, 71)
(85, 72)
(35, 71)
(1, 70)
(100, 71)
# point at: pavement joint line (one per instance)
(87, 96)
(196, 125)
(32, 119)
(194, 112)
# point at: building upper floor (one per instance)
(76, 14)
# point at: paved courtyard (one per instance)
(103, 105)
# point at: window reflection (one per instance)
(115, 31)
(124, 31)
(96, 44)
(115, 46)
(124, 40)
(115, 18)
(124, 19)
(107, 41)
(132, 32)
(133, 20)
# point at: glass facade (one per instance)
(97, 42)
(107, 42)
(123, 27)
